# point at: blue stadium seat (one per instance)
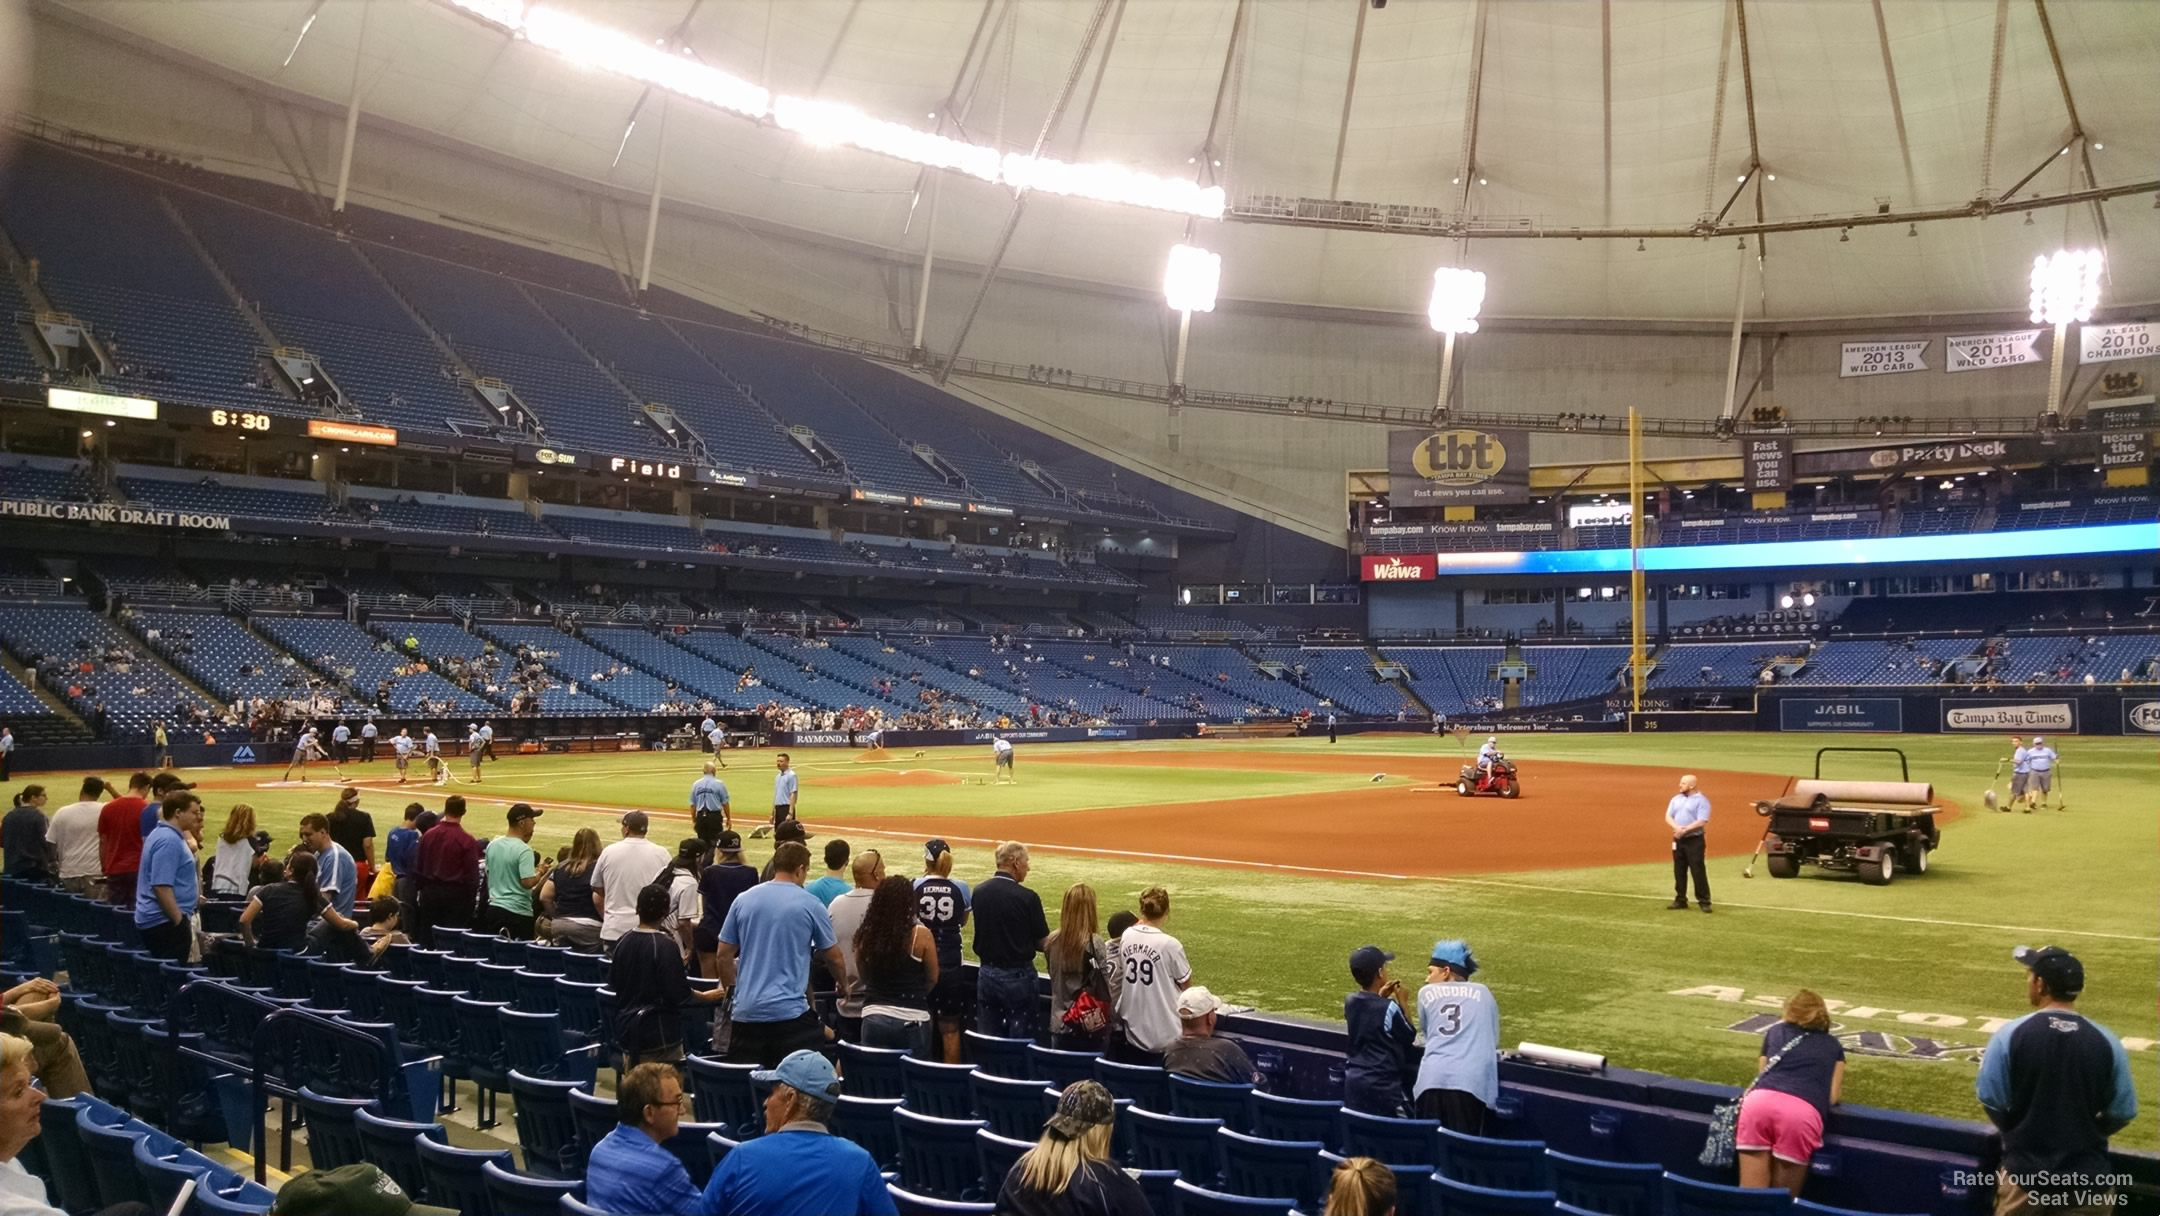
(535, 991)
(998, 1155)
(1254, 1166)
(1803, 1207)
(481, 1046)
(69, 1172)
(1170, 1142)
(1508, 1165)
(869, 1123)
(533, 1045)
(719, 1146)
(1447, 1197)
(939, 1157)
(997, 1056)
(1012, 1106)
(909, 1203)
(513, 1194)
(454, 1177)
(1395, 1141)
(1146, 1084)
(333, 1136)
(872, 1072)
(1283, 1118)
(388, 1146)
(571, 1205)
(547, 1131)
(721, 1094)
(595, 1118)
(1231, 1103)
(692, 1145)
(1685, 1196)
(1614, 1188)
(578, 1001)
(1057, 1068)
(1199, 1201)
(110, 1148)
(247, 1199)
(163, 1177)
(942, 1090)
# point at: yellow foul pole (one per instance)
(1636, 659)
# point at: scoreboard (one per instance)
(242, 422)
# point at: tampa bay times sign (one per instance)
(1458, 466)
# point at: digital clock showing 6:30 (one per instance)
(240, 420)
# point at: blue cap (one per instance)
(806, 1071)
(1365, 963)
(1455, 952)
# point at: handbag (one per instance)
(1718, 1151)
(1088, 1013)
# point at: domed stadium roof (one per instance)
(1641, 117)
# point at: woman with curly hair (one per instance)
(896, 962)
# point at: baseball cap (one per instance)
(520, 812)
(1197, 1002)
(1083, 1104)
(1365, 963)
(635, 821)
(349, 1190)
(2059, 969)
(261, 841)
(728, 842)
(806, 1072)
(166, 783)
(1455, 952)
(934, 850)
(2037, 740)
(427, 820)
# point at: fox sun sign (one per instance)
(1458, 466)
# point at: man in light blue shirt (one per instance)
(1688, 815)
(709, 809)
(766, 942)
(166, 888)
(340, 735)
(334, 868)
(2020, 770)
(2042, 759)
(629, 1170)
(1458, 1080)
(798, 1167)
(368, 733)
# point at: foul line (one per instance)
(872, 828)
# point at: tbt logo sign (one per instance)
(1460, 458)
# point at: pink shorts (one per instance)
(1786, 1127)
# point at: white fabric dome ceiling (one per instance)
(1825, 123)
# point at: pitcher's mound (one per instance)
(893, 777)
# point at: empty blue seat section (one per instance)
(303, 503)
(571, 659)
(347, 654)
(221, 654)
(55, 640)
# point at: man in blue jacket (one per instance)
(798, 1167)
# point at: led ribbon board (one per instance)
(1873, 551)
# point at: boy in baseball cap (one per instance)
(1382, 1034)
(1458, 1079)
(798, 1165)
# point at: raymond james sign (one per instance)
(2047, 717)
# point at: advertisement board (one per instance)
(1458, 465)
(1767, 462)
(2011, 716)
(2140, 716)
(1862, 715)
(1400, 568)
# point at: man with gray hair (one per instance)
(1009, 929)
(798, 1165)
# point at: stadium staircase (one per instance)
(194, 242)
(1511, 691)
(636, 401)
(1406, 688)
(59, 725)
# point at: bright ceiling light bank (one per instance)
(1457, 294)
(1190, 280)
(2066, 286)
(828, 124)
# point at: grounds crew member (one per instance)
(1688, 815)
(2042, 759)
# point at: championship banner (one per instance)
(1400, 568)
(1459, 466)
(2107, 343)
(2011, 717)
(1766, 460)
(1882, 358)
(1982, 351)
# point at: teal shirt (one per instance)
(508, 860)
(828, 888)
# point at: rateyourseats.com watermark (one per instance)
(2052, 1189)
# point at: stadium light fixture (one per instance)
(2065, 288)
(1457, 294)
(1191, 278)
(826, 123)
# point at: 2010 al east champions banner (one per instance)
(1458, 466)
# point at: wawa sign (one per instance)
(1400, 568)
(1908, 1034)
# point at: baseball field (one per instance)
(1283, 855)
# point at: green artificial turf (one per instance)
(1584, 958)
